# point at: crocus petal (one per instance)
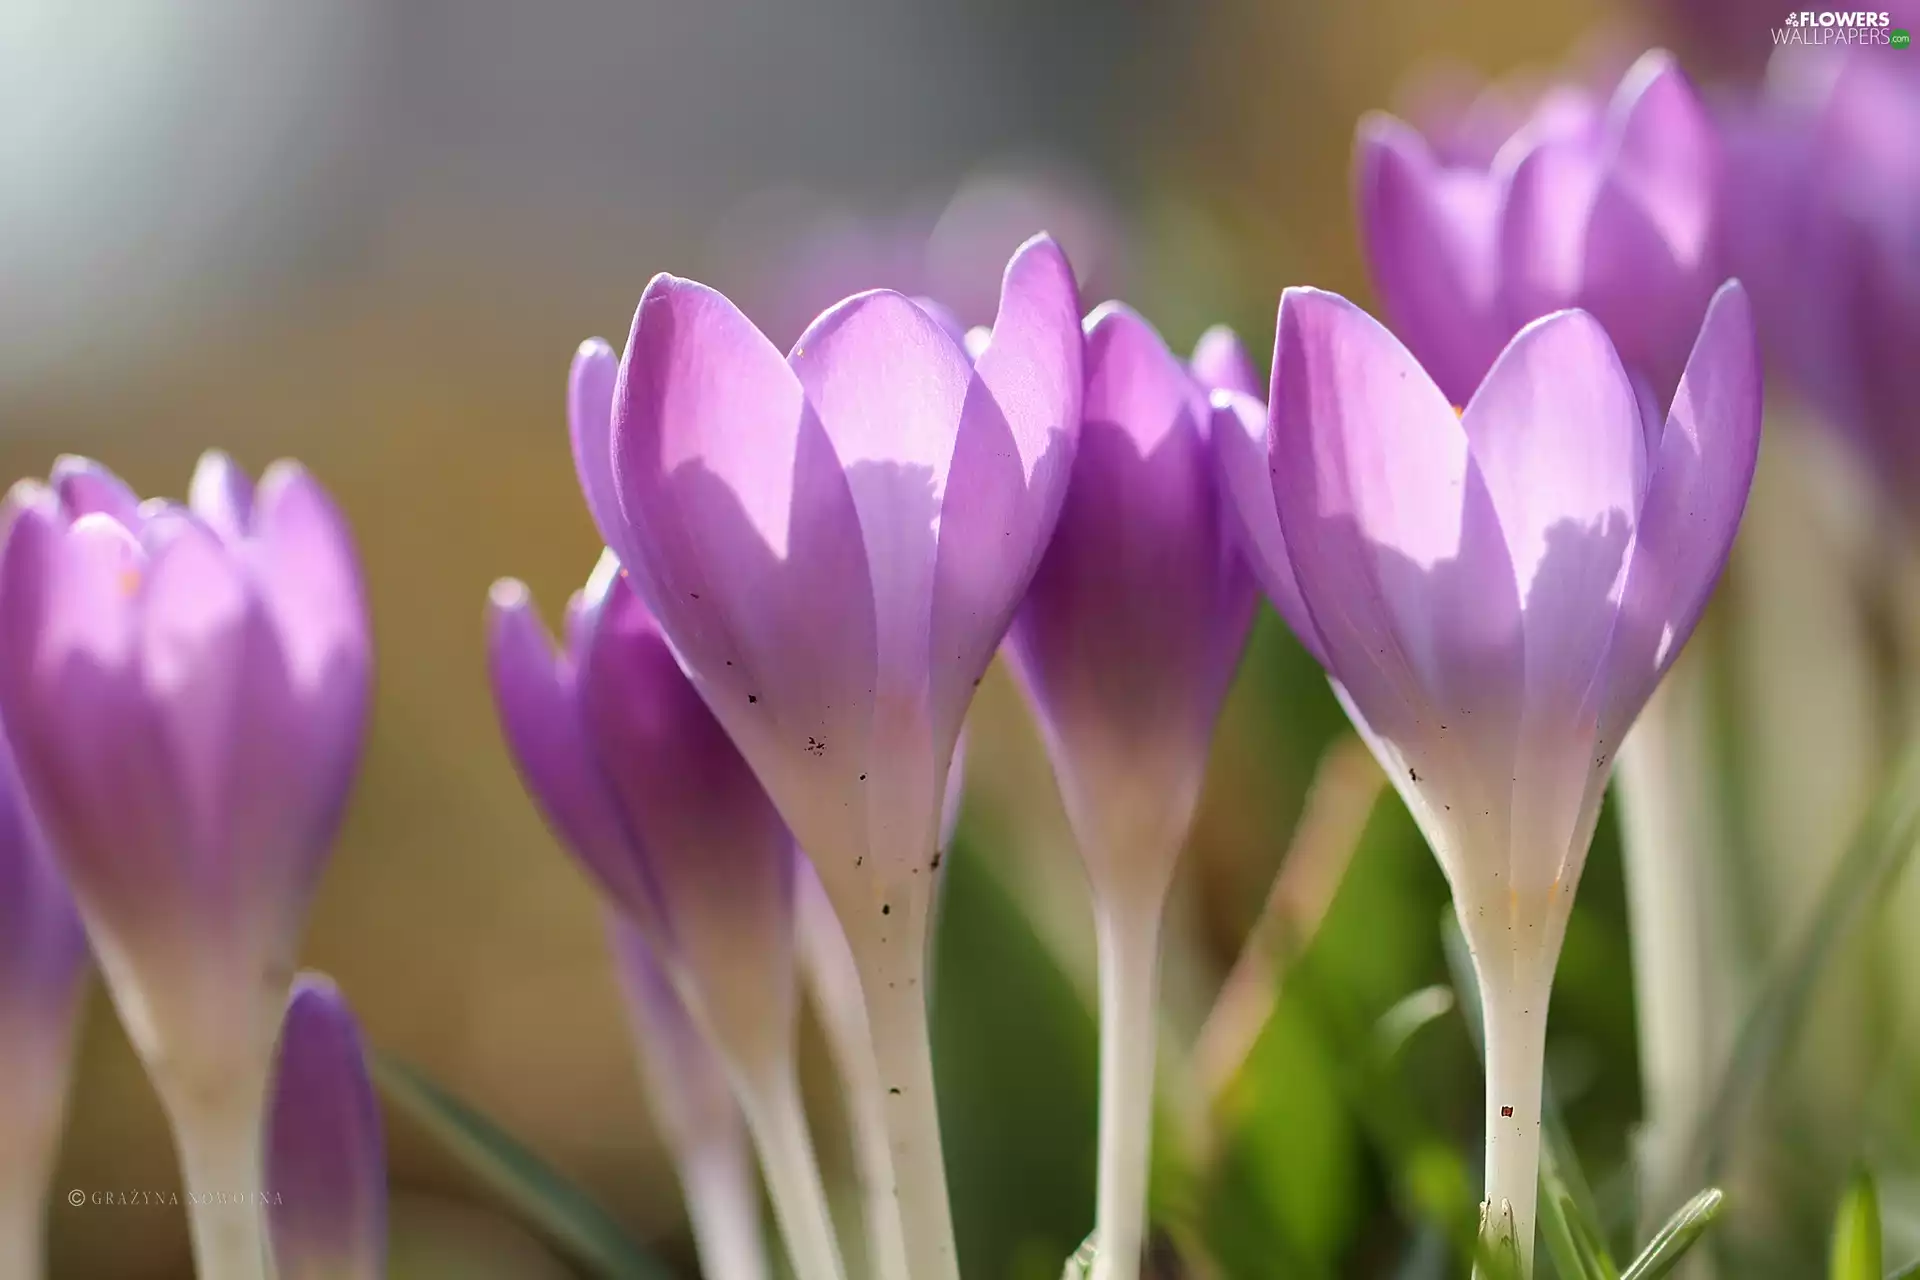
(1543, 229)
(590, 388)
(221, 494)
(1239, 436)
(1129, 632)
(534, 693)
(85, 487)
(1556, 432)
(944, 316)
(1396, 546)
(1667, 151)
(1009, 474)
(738, 516)
(1430, 237)
(718, 856)
(1695, 497)
(326, 1156)
(1222, 364)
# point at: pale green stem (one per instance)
(778, 1124)
(1516, 1043)
(892, 970)
(723, 1207)
(218, 1132)
(22, 1232)
(1129, 945)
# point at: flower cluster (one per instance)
(1495, 531)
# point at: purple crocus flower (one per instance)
(1826, 230)
(326, 1157)
(1495, 594)
(43, 966)
(834, 544)
(641, 781)
(186, 691)
(1125, 645)
(686, 1083)
(1608, 210)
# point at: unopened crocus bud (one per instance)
(186, 690)
(1125, 646)
(43, 966)
(834, 544)
(644, 785)
(1612, 211)
(1495, 595)
(326, 1187)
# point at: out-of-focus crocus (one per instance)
(644, 786)
(834, 544)
(1495, 594)
(43, 965)
(1826, 230)
(1610, 209)
(686, 1083)
(1125, 645)
(186, 691)
(326, 1157)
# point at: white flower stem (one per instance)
(1129, 943)
(218, 1131)
(1515, 1019)
(834, 979)
(723, 1207)
(22, 1230)
(892, 971)
(1672, 845)
(778, 1124)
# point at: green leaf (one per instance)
(1497, 1251)
(1880, 849)
(549, 1203)
(1562, 1245)
(1909, 1272)
(1856, 1233)
(1399, 1025)
(1562, 1184)
(1681, 1232)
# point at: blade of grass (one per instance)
(1856, 1232)
(1681, 1232)
(1879, 850)
(554, 1207)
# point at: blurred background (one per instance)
(370, 233)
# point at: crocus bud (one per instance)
(644, 785)
(326, 1157)
(1824, 162)
(186, 690)
(1612, 212)
(1125, 646)
(695, 1111)
(834, 544)
(1495, 595)
(43, 965)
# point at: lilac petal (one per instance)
(889, 385)
(590, 384)
(1695, 497)
(945, 317)
(309, 577)
(1133, 623)
(1430, 238)
(85, 487)
(1667, 151)
(737, 514)
(1556, 432)
(1009, 473)
(717, 853)
(535, 692)
(326, 1154)
(43, 951)
(1395, 544)
(221, 494)
(1543, 229)
(1239, 436)
(1221, 363)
